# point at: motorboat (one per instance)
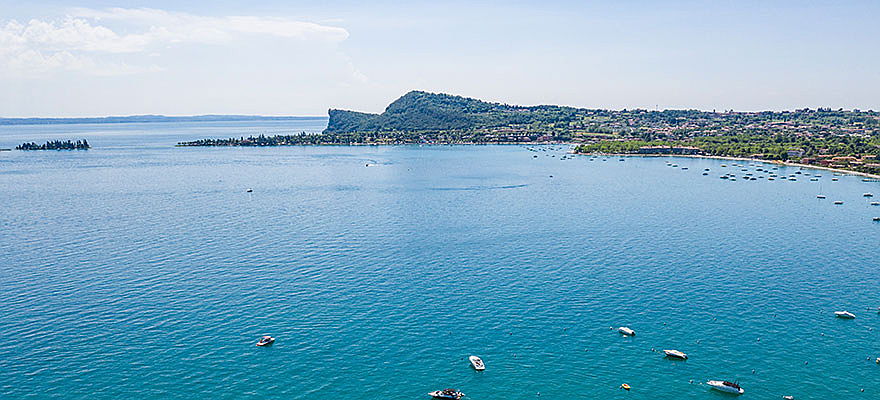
(875, 203)
(844, 314)
(726, 386)
(868, 194)
(820, 196)
(838, 202)
(675, 354)
(626, 331)
(446, 394)
(266, 341)
(477, 363)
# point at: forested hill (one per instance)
(423, 111)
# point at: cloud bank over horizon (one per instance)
(95, 42)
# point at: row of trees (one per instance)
(55, 145)
(775, 147)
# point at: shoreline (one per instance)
(786, 163)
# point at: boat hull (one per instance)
(721, 387)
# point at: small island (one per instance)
(56, 145)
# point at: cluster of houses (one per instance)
(871, 162)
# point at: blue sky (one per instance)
(94, 58)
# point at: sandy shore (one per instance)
(790, 164)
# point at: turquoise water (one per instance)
(137, 268)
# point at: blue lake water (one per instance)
(141, 269)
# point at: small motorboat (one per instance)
(875, 203)
(844, 314)
(446, 394)
(820, 196)
(477, 363)
(626, 331)
(868, 194)
(265, 341)
(675, 354)
(249, 190)
(625, 386)
(875, 219)
(838, 202)
(725, 386)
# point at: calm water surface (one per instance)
(138, 268)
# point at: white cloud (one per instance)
(88, 40)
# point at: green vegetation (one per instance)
(854, 152)
(55, 145)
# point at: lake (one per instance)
(141, 269)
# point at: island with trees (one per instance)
(846, 139)
(56, 145)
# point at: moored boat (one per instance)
(266, 341)
(726, 386)
(844, 314)
(626, 331)
(446, 394)
(675, 354)
(477, 363)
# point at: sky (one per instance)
(96, 58)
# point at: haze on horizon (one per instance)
(96, 58)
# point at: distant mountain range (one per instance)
(147, 119)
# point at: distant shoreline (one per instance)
(151, 119)
(789, 164)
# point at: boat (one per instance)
(266, 341)
(868, 195)
(446, 394)
(844, 314)
(876, 219)
(875, 203)
(838, 202)
(625, 386)
(820, 196)
(835, 179)
(626, 331)
(675, 354)
(725, 386)
(477, 363)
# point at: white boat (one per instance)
(446, 394)
(265, 341)
(626, 331)
(838, 202)
(725, 386)
(477, 363)
(820, 196)
(875, 203)
(675, 354)
(844, 314)
(868, 194)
